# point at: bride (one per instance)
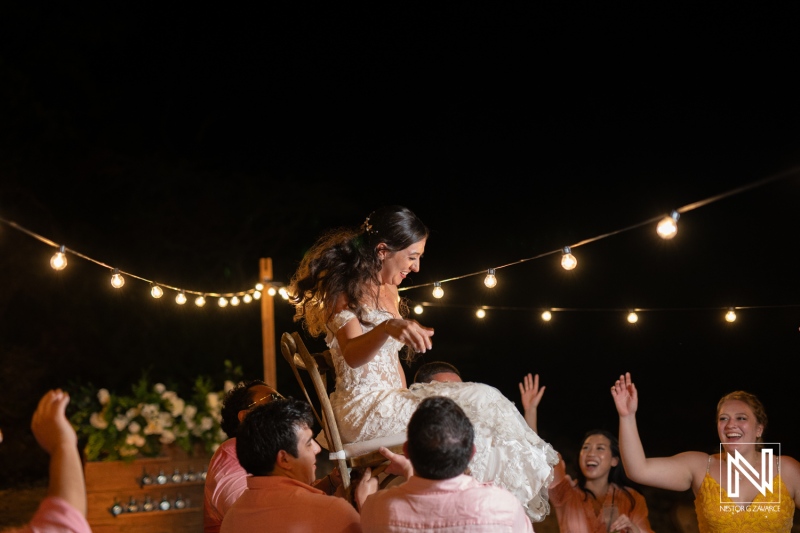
(346, 289)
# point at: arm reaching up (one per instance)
(56, 436)
(531, 394)
(672, 473)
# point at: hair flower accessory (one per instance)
(366, 227)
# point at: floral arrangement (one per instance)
(113, 427)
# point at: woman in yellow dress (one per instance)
(729, 495)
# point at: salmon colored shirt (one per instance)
(278, 503)
(226, 480)
(460, 504)
(576, 514)
(55, 515)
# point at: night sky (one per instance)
(183, 146)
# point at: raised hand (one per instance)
(625, 396)
(530, 392)
(49, 423)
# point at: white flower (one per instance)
(159, 388)
(132, 413)
(189, 412)
(228, 386)
(153, 427)
(134, 427)
(165, 419)
(167, 437)
(134, 440)
(206, 423)
(212, 399)
(121, 422)
(97, 421)
(149, 410)
(104, 396)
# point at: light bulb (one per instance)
(546, 316)
(259, 286)
(247, 298)
(284, 293)
(235, 301)
(156, 291)
(668, 226)
(59, 259)
(490, 280)
(222, 302)
(257, 295)
(633, 317)
(117, 280)
(200, 301)
(480, 313)
(438, 291)
(180, 299)
(568, 261)
(418, 309)
(272, 291)
(730, 316)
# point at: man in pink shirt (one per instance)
(276, 445)
(226, 480)
(439, 496)
(64, 508)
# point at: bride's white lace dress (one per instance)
(370, 402)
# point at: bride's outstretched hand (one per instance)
(625, 396)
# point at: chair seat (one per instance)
(365, 453)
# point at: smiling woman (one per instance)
(346, 287)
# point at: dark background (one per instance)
(183, 145)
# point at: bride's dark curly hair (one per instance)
(344, 261)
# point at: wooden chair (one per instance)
(319, 366)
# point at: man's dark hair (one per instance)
(268, 429)
(236, 399)
(428, 370)
(440, 439)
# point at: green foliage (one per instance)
(113, 427)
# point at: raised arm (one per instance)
(531, 394)
(56, 436)
(672, 473)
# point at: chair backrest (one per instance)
(318, 366)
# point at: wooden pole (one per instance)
(268, 323)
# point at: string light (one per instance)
(418, 309)
(222, 302)
(633, 318)
(438, 291)
(272, 291)
(730, 316)
(480, 313)
(117, 280)
(667, 229)
(668, 226)
(568, 261)
(546, 316)
(200, 301)
(59, 259)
